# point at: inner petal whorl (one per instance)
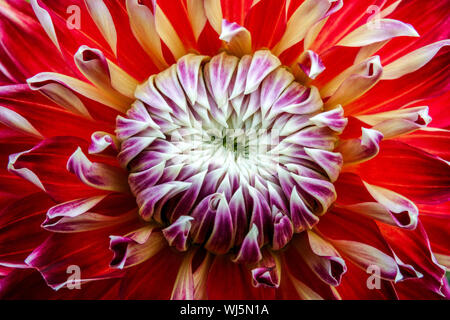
(230, 153)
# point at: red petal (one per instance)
(229, 280)
(354, 286)
(50, 119)
(344, 21)
(427, 82)
(153, 279)
(298, 269)
(24, 43)
(89, 35)
(87, 250)
(20, 228)
(415, 174)
(266, 22)
(434, 142)
(236, 11)
(438, 227)
(13, 187)
(176, 12)
(11, 288)
(413, 247)
(423, 16)
(48, 161)
(340, 224)
(413, 290)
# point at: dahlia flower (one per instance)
(208, 149)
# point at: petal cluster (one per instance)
(230, 153)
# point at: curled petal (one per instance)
(92, 63)
(24, 173)
(364, 67)
(412, 61)
(88, 253)
(103, 73)
(61, 94)
(311, 64)
(331, 162)
(104, 21)
(220, 240)
(413, 248)
(97, 175)
(323, 191)
(158, 195)
(367, 256)
(333, 119)
(416, 114)
(135, 247)
(283, 230)
(322, 258)
(177, 233)
(309, 102)
(15, 121)
(354, 85)
(395, 203)
(306, 15)
(79, 215)
(359, 150)
(398, 122)
(46, 22)
(203, 215)
(142, 22)
(239, 39)
(377, 211)
(263, 63)
(315, 29)
(376, 31)
(268, 273)
(103, 143)
(42, 80)
(264, 277)
(249, 251)
(188, 68)
(86, 222)
(75, 207)
(301, 216)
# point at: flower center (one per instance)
(230, 153)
